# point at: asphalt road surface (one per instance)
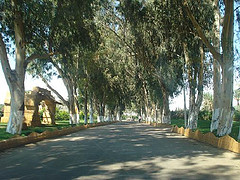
(125, 150)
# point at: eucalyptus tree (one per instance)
(113, 62)
(216, 69)
(74, 36)
(155, 100)
(195, 81)
(194, 57)
(107, 78)
(223, 114)
(22, 25)
(156, 45)
(97, 83)
(190, 50)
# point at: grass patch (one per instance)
(3, 133)
(204, 126)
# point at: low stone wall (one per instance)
(35, 137)
(159, 125)
(225, 142)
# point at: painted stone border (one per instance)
(159, 125)
(35, 137)
(225, 142)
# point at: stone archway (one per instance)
(32, 101)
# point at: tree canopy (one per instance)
(121, 54)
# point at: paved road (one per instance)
(125, 150)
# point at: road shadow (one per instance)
(126, 150)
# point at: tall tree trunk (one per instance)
(109, 115)
(118, 109)
(166, 118)
(166, 115)
(216, 71)
(72, 103)
(195, 78)
(17, 109)
(156, 113)
(216, 96)
(101, 112)
(184, 94)
(91, 110)
(99, 119)
(192, 121)
(160, 114)
(85, 107)
(121, 108)
(15, 78)
(72, 110)
(193, 115)
(146, 103)
(226, 109)
(76, 103)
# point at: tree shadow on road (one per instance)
(125, 150)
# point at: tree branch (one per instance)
(5, 61)
(126, 43)
(236, 8)
(215, 54)
(37, 56)
(54, 91)
(65, 78)
(60, 71)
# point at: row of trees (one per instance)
(115, 54)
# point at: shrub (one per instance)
(205, 115)
(61, 115)
(41, 113)
(81, 115)
(236, 115)
(178, 114)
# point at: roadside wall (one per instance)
(225, 142)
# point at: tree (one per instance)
(27, 30)
(224, 113)
(112, 65)
(195, 80)
(156, 44)
(73, 35)
(193, 54)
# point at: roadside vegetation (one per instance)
(204, 121)
(62, 121)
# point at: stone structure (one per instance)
(34, 99)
